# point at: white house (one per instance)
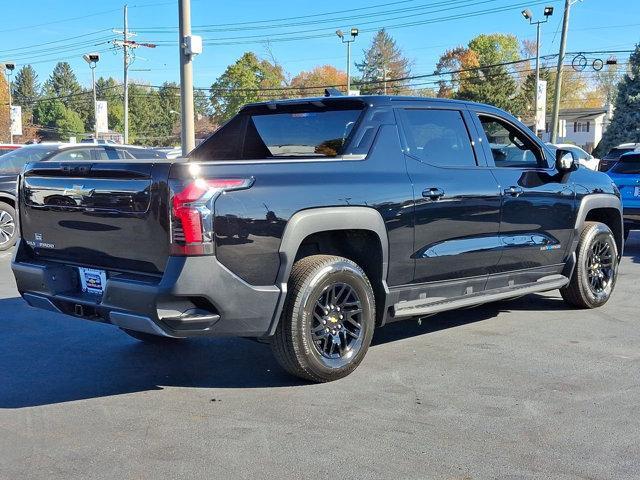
(583, 127)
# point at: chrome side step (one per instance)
(423, 306)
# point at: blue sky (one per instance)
(595, 25)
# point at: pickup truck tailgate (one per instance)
(112, 215)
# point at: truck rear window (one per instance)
(287, 132)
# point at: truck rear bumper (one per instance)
(196, 296)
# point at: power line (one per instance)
(26, 47)
(249, 24)
(72, 19)
(351, 18)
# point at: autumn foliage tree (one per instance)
(326, 75)
(247, 80)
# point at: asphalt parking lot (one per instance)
(517, 390)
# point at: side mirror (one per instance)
(565, 160)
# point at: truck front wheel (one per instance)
(328, 319)
(596, 269)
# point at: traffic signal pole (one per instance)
(558, 93)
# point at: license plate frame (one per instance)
(92, 280)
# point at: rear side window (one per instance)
(74, 155)
(438, 137)
(295, 131)
(629, 164)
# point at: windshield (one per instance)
(298, 131)
(13, 162)
(629, 164)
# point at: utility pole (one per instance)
(127, 44)
(125, 48)
(188, 135)
(563, 47)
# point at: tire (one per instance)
(587, 289)
(8, 229)
(331, 286)
(150, 338)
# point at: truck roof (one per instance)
(369, 99)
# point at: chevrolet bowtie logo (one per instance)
(78, 191)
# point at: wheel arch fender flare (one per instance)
(316, 220)
(7, 196)
(600, 201)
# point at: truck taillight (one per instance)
(192, 213)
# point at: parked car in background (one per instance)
(611, 158)
(583, 157)
(626, 175)
(171, 152)
(8, 147)
(12, 163)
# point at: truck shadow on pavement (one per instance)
(48, 358)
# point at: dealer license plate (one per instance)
(92, 280)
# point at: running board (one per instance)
(422, 306)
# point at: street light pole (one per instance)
(92, 59)
(548, 11)
(186, 77)
(354, 33)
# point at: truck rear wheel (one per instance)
(596, 269)
(328, 319)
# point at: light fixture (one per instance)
(526, 13)
(354, 32)
(340, 33)
(548, 11)
(91, 57)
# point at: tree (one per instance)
(321, 76)
(108, 89)
(56, 121)
(382, 60)
(625, 124)
(5, 121)
(201, 104)
(63, 84)
(25, 88)
(482, 72)
(144, 112)
(241, 83)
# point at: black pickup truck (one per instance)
(308, 223)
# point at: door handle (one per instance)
(513, 191)
(433, 193)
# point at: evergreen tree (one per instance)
(108, 89)
(625, 124)
(25, 88)
(63, 84)
(384, 59)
